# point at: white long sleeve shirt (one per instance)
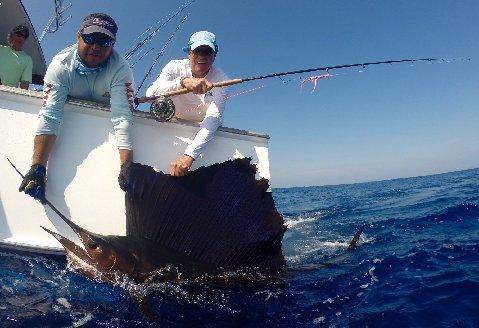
(206, 109)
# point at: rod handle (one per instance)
(215, 85)
(227, 83)
(184, 91)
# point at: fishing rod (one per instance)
(162, 51)
(140, 44)
(141, 57)
(46, 200)
(163, 108)
(57, 18)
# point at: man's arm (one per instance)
(208, 127)
(168, 80)
(42, 146)
(49, 120)
(55, 93)
(24, 85)
(126, 155)
(121, 103)
(26, 78)
(197, 85)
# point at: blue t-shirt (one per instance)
(112, 83)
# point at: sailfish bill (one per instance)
(215, 219)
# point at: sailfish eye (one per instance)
(92, 244)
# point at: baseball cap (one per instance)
(99, 23)
(201, 38)
(21, 30)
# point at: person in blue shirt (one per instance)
(92, 70)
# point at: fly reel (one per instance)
(162, 109)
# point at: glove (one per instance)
(122, 177)
(33, 183)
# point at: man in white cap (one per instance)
(204, 104)
(92, 70)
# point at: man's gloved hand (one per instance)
(122, 177)
(33, 183)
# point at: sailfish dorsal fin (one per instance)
(219, 215)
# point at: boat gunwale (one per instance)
(140, 114)
(32, 250)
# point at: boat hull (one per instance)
(84, 166)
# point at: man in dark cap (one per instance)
(15, 65)
(92, 70)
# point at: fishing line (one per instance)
(303, 80)
(240, 93)
(313, 80)
(162, 51)
(163, 103)
(146, 39)
(152, 34)
(141, 57)
(325, 68)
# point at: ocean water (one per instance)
(416, 265)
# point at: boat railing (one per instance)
(137, 113)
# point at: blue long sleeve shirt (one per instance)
(111, 84)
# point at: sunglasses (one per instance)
(206, 51)
(102, 41)
(21, 35)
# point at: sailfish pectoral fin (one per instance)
(143, 304)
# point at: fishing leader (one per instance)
(91, 70)
(204, 104)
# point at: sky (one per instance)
(381, 122)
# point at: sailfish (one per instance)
(217, 218)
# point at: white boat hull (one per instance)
(84, 166)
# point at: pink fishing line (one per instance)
(313, 80)
(244, 92)
(231, 96)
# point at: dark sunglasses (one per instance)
(93, 38)
(21, 35)
(206, 51)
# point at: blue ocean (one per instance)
(416, 265)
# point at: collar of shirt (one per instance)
(81, 69)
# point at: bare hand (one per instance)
(181, 166)
(197, 85)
